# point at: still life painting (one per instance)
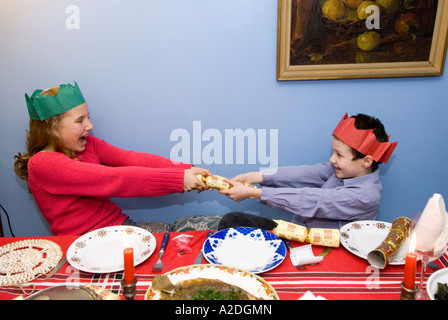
(328, 39)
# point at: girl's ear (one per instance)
(367, 161)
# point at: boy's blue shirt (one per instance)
(319, 199)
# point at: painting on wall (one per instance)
(335, 39)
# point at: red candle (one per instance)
(410, 265)
(128, 265)
(409, 270)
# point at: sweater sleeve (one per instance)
(56, 174)
(113, 156)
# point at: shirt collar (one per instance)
(368, 178)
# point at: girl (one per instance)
(72, 174)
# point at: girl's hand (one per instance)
(239, 191)
(191, 180)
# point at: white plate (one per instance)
(247, 281)
(431, 285)
(101, 251)
(250, 249)
(361, 237)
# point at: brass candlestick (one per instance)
(408, 294)
(129, 289)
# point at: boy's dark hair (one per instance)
(362, 122)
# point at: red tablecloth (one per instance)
(340, 276)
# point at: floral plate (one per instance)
(101, 251)
(361, 237)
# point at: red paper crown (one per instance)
(363, 140)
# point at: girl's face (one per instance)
(345, 166)
(74, 127)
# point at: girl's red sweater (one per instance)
(74, 196)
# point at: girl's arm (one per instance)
(56, 173)
(114, 156)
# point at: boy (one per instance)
(327, 195)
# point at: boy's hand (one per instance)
(239, 191)
(250, 177)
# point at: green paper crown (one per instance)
(44, 104)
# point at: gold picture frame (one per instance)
(298, 59)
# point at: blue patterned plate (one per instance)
(250, 249)
(101, 250)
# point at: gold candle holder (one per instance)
(408, 294)
(129, 289)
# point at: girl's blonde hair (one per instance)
(41, 134)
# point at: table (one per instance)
(340, 276)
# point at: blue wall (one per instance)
(150, 67)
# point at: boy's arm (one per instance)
(336, 204)
(298, 176)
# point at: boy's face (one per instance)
(345, 166)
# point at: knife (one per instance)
(55, 269)
(433, 266)
(201, 255)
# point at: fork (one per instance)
(159, 265)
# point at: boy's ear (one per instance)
(367, 161)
